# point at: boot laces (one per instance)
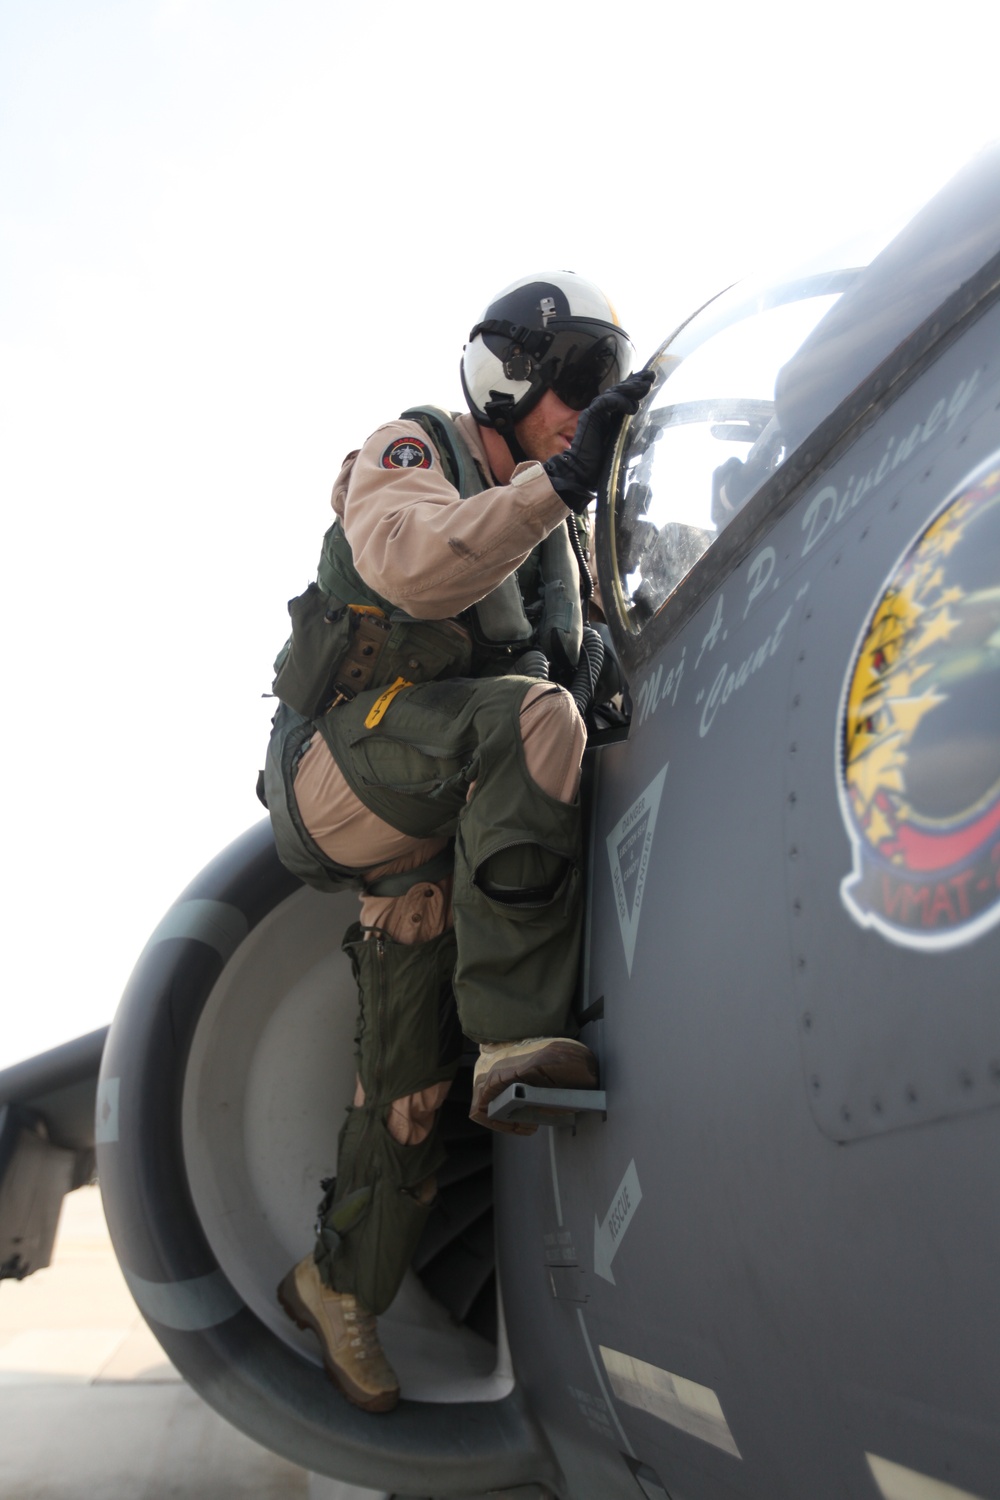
(364, 1334)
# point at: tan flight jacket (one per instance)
(414, 539)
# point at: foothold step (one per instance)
(534, 1106)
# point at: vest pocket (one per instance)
(305, 669)
(424, 650)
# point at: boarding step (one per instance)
(533, 1106)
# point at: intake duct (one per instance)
(223, 1085)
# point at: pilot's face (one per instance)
(548, 428)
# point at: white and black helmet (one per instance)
(553, 331)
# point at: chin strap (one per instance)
(517, 453)
(499, 411)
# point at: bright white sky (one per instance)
(239, 234)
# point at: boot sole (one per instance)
(292, 1305)
(556, 1067)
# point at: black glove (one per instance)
(576, 473)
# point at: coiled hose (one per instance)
(588, 670)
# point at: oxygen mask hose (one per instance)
(588, 671)
(533, 663)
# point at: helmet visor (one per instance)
(582, 362)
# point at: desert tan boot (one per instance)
(552, 1062)
(352, 1354)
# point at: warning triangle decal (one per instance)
(629, 844)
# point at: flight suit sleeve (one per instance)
(416, 541)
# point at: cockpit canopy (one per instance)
(770, 370)
(710, 433)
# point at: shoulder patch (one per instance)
(407, 453)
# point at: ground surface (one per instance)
(91, 1407)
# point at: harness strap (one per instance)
(436, 868)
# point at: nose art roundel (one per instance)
(919, 753)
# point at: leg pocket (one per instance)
(406, 993)
(369, 1255)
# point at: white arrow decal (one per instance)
(609, 1235)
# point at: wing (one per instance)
(46, 1146)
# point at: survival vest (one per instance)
(347, 638)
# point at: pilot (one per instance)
(428, 749)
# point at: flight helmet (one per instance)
(553, 331)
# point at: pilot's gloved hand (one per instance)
(576, 473)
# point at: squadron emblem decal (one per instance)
(407, 453)
(629, 844)
(919, 752)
